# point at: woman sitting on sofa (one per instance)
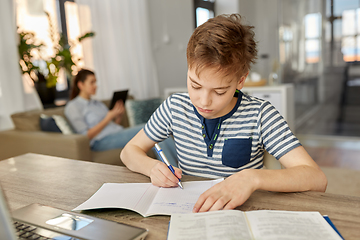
(93, 118)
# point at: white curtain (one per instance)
(121, 54)
(13, 97)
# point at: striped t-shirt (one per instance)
(238, 141)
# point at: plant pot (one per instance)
(47, 95)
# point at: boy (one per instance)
(220, 132)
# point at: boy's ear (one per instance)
(242, 81)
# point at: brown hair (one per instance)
(224, 44)
(80, 77)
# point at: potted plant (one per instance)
(26, 47)
(45, 77)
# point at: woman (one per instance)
(93, 118)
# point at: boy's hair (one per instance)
(224, 44)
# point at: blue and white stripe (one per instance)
(255, 119)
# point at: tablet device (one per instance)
(119, 95)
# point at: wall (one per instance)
(226, 7)
(263, 15)
(172, 23)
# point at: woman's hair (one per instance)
(224, 44)
(80, 77)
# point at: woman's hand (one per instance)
(161, 175)
(228, 194)
(117, 111)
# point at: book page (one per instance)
(271, 225)
(224, 224)
(132, 196)
(176, 200)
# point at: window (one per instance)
(285, 41)
(62, 18)
(343, 29)
(203, 11)
(350, 40)
(312, 37)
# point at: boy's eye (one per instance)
(220, 93)
(195, 87)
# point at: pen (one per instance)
(164, 159)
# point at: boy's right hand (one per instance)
(161, 175)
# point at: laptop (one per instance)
(37, 221)
(119, 95)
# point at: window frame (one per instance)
(331, 19)
(209, 5)
(63, 17)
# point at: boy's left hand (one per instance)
(228, 194)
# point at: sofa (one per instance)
(27, 136)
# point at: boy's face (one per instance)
(211, 94)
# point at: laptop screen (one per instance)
(7, 230)
(59, 224)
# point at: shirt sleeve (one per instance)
(274, 132)
(76, 118)
(159, 126)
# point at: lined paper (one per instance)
(177, 200)
(147, 199)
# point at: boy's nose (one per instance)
(205, 100)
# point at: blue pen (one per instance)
(164, 159)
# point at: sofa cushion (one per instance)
(55, 123)
(29, 120)
(48, 124)
(140, 111)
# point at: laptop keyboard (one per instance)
(25, 231)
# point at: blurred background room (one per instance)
(308, 61)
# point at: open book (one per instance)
(251, 225)
(147, 199)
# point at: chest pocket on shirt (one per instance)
(236, 152)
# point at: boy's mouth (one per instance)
(204, 110)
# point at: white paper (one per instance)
(146, 198)
(224, 225)
(274, 225)
(251, 225)
(176, 200)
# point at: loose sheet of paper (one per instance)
(146, 198)
(274, 225)
(215, 225)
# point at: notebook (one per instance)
(53, 223)
(147, 199)
(252, 225)
(119, 95)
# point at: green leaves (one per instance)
(86, 35)
(26, 49)
(63, 59)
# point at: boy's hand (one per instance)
(161, 175)
(228, 194)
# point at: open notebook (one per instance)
(147, 199)
(51, 223)
(251, 225)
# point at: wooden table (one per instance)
(65, 184)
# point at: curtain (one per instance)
(121, 53)
(13, 97)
